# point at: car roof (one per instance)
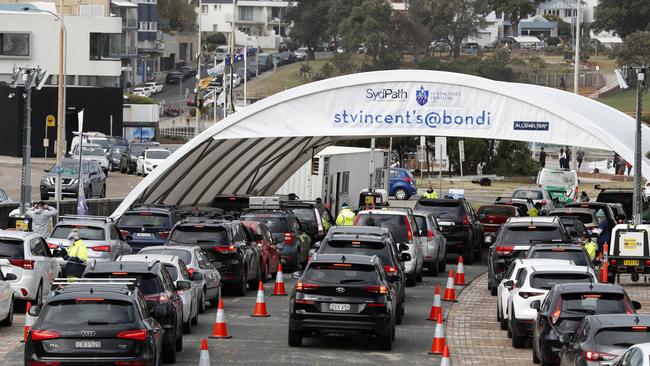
(147, 258)
(527, 220)
(422, 213)
(92, 145)
(16, 234)
(81, 221)
(589, 287)
(544, 262)
(137, 267)
(186, 248)
(157, 149)
(387, 211)
(558, 268)
(155, 209)
(343, 258)
(94, 291)
(590, 211)
(618, 320)
(358, 230)
(534, 188)
(564, 245)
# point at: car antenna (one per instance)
(342, 259)
(636, 319)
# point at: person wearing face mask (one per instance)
(604, 229)
(41, 215)
(431, 194)
(77, 255)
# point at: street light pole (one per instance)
(198, 74)
(576, 76)
(637, 209)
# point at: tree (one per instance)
(458, 19)
(515, 10)
(309, 28)
(176, 15)
(635, 50)
(513, 158)
(622, 16)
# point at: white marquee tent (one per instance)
(255, 150)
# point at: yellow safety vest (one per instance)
(433, 195)
(590, 248)
(79, 250)
(533, 212)
(345, 217)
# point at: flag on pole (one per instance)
(82, 205)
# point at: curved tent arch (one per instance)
(255, 150)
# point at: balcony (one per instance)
(130, 23)
(128, 51)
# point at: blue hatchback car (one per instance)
(402, 184)
(145, 226)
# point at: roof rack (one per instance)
(82, 217)
(95, 281)
(393, 208)
(268, 202)
(153, 263)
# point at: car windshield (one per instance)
(394, 223)
(117, 150)
(195, 234)
(91, 311)
(104, 143)
(442, 210)
(622, 337)
(144, 219)
(496, 211)
(275, 223)
(528, 234)
(137, 149)
(70, 167)
(358, 247)
(85, 232)
(546, 281)
(585, 218)
(12, 248)
(557, 178)
(593, 304)
(184, 255)
(525, 193)
(91, 151)
(158, 154)
(307, 214)
(577, 256)
(341, 273)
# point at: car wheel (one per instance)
(433, 269)
(240, 290)
(410, 279)
(517, 341)
(187, 326)
(499, 317)
(468, 255)
(386, 341)
(10, 316)
(195, 319)
(202, 302)
(295, 338)
(254, 281)
(401, 194)
(479, 253)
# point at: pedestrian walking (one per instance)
(346, 216)
(580, 156)
(562, 83)
(41, 215)
(621, 167)
(629, 168)
(616, 163)
(584, 197)
(562, 158)
(542, 158)
(479, 168)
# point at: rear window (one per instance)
(443, 211)
(394, 223)
(496, 211)
(622, 337)
(341, 273)
(592, 304)
(147, 283)
(528, 234)
(585, 218)
(144, 219)
(184, 255)
(358, 247)
(276, 224)
(577, 256)
(305, 214)
(158, 154)
(546, 281)
(88, 313)
(196, 234)
(85, 232)
(533, 195)
(12, 248)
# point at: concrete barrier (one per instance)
(96, 207)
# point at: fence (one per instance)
(185, 133)
(587, 79)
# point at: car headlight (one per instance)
(133, 157)
(148, 163)
(74, 181)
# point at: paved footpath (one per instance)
(474, 336)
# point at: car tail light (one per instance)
(409, 232)
(191, 271)
(613, 262)
(302, 286)
(136, 335)
(160, 298)
(305, 302)
(597, 356)
(53, 246)
(376, 305)
(408, 180)
(383, 290)
(505, 249)
(289, 238)
(164, 234)
(124, 233)
(42, 335)
(647, 263)
(101, 248)
(558, 310)
(259, 243)
(465, 220)
(24, 263)
(226, 249)
(544, 203)
(526, 295)
(44, 363)
(640, 327)
(390, 269)
(430, 234)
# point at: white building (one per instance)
(92, 52)
(567, 10)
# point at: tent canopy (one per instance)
(255, 150)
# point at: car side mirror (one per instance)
(296, 275)
(160, 311)
(636, 305)
(535, 304)
(403, 247)
(510, 284)
(197, 276)
(183, 285)
(317, 244)
(10, 277)
(59, 253)
(35, 310)
(565, 338)
(405, 257)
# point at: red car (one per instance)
(493, 216)
(269, 249)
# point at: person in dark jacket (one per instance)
(542, 158)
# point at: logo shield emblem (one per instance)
(422, 96)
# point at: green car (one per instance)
(561, 184)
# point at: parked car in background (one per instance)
(114, 157)
(538, 195)
(301, 53)
(102, 141)
(150, 159)
(523, 204)
(142, 92)
(93, 177)
(492, 217)
(129, 159)
(174, 77)
(434, 244)
(28, 264)
(92, 152)
(188, 72)
(6, 299)
(596, 206)
(118, 141)
(156, 87)
(144, 226)
(265, 61)
(402, 184)
(269, 252)
(637, 355)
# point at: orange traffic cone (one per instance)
(220, 330)
(28, 321)
(445, 361)
(278, 289)
(260, 305)
(460, 272)
(436, 308)
(438, 344)
(450, 291)
(204, 357)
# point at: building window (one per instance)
(567, 12)
(217, 7)
(315, 165)
(204, 9)
(345, 182)
(245, 12)
(148, 26)
(105, 46)
(14, 44)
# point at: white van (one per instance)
(560, 183)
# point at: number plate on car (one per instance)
(340, 307)
(630, 262)
(88, 344)
(142, 235)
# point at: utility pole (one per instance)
(198, 73)
(640, 84)
(371, 186)
(60, 143)
(576, 76)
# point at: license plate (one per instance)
(340, 307)
(630, 262)
(143, 235)
(88, 344)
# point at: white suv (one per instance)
(401, 223)
(533, 284)
(150, 159)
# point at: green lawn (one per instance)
(625, 101)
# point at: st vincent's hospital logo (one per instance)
(422, 96)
